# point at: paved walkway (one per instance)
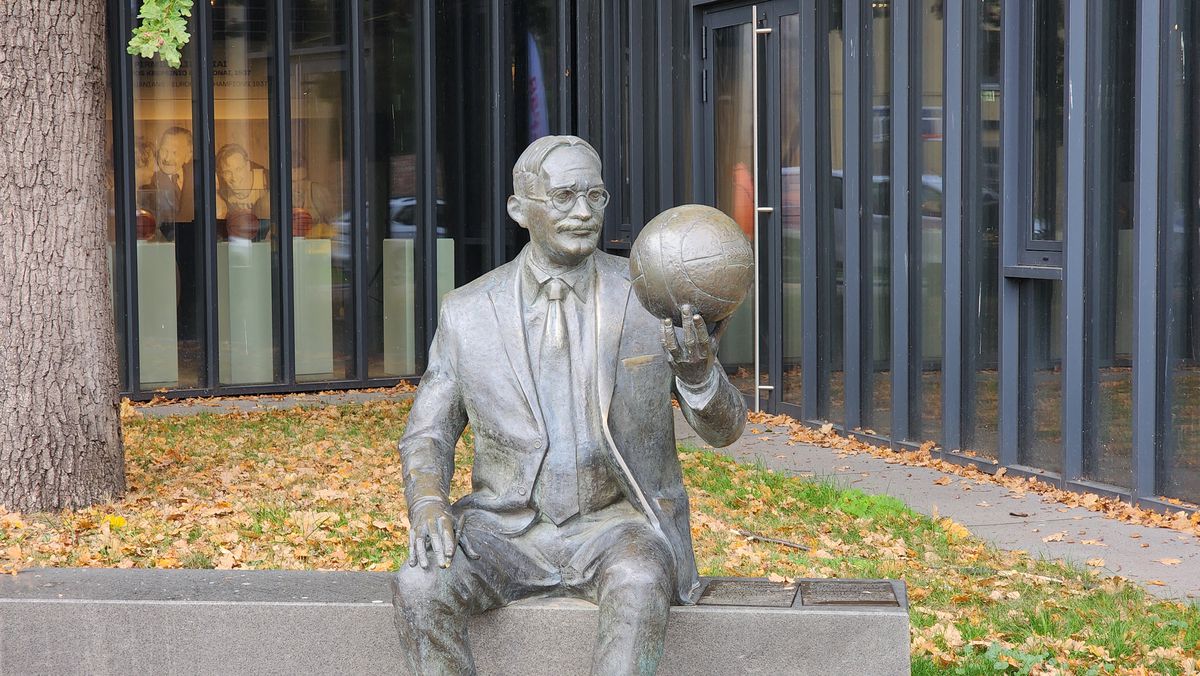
(990, 511)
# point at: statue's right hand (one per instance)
(431, 526)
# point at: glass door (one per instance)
(751, 172)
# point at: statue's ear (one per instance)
(516, 209)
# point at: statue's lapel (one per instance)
(506, 301)
(612, 295)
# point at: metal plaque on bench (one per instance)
(847, 593)
(747, 592)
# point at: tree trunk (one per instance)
(60, 442)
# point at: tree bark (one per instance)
(60, 442)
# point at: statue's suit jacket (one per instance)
(479, 372)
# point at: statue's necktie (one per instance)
(558, 482)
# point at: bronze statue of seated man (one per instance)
(566, 381)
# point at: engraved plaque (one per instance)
(847, 593)
(747, 592)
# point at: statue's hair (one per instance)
(528, 168)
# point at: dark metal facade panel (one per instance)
(120, 77)
(281, 188)
(1015, 212)
(358, 117)
(204, 164)
(906, 74)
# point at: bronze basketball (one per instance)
(691, 254)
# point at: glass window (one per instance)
(733, 128)
(533, 99)
(831, 234)
(1049, 170)
(1179, 256)
(247, 230)
(395, 331)
(1108, 334)
(1040, 389)
(925, 234)
(466, 207)
(877, 237)
(322, 262)
(792, 251)
(169, 250)
(981, 241)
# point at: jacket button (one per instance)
(521, 490)
(538, 444)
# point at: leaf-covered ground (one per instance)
(320, 489)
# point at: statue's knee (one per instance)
(640, 579)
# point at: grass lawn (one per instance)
(320, 489)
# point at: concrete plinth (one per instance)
(99, 621)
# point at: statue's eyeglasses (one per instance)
(564, 199)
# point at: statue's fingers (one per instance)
(412, 547)
(422, 556)
(690, 339)
(703, 342)
(435, 541)
(670, 343)
(467, 548)
(446, 527)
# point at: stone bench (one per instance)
(104, 621)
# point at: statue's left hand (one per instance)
(692, 358)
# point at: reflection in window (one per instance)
(1179, 253)
(320, 221)
(395, 314)
(789, 133)
(464, 147)
(535, 77)
(1108, 335)
(247, 231)
(831, 236)
(981, 241)
(733, 128)
(1049, 172)
(877, 236)
(168, 253)
(925, 234)
(1040, 390)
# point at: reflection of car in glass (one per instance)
(402, 219)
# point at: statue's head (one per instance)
(560, 197)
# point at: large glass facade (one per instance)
(291, 215)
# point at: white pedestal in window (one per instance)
(312, 277)
(399, 300)
(244, 312)
(158, 337)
